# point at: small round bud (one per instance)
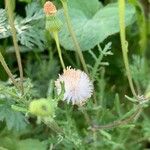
(42, 107)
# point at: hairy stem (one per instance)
(2, 60)
(86, 116)
(96, 66)
(72, 33)
(53, 125)
(124, 44)
(14, 36)
(119, 122)
(58, 48)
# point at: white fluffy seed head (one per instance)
(78, 87)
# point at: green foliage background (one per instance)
(96, 25)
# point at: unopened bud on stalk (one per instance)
(42, 107)
(49, 8)
(53, 23)
(64, 1)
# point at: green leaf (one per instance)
(2, 148)
(118, 105)
(8, 142)
(89, 9)
(91, 31)
(14, 120)
(30, 30)
(106, 134)
(3, 25)
(31, 144)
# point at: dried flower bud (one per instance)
(42, 107)
(49, 8)
(78, 87)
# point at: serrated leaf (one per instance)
(14, 120)
(30, 30)
(33, 12)
(3, 25)
(94, 30)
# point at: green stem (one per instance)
(142, 25)
(142, 28)
(86, 116)
(2, 60)
(124, 44)
(72, 33)
(96, 66)
(53, 125)
(14, 36)
(70, 60)
(120, 122)
(58, 48)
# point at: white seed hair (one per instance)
(78, 87)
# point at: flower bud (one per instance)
(53, 23)
(64, 1)
(42, 107)
(49, 8)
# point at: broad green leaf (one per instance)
(91, 31)
(2, 148)
(12, 143)
(31, 144)
(89, 8)
(8, 142)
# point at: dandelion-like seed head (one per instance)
(78, 87)
(49, 8)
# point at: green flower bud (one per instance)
(64, 1)
(53, 23)
(42, 107)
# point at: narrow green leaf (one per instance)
(118, 105)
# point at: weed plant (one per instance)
(74, 75)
